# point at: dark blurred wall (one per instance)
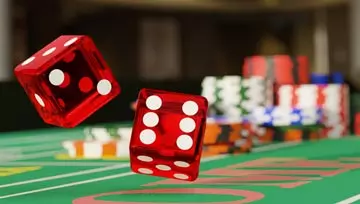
(338, 20)
(211, 44)
(115, 34)
(44, 22)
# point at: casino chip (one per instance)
(101, 142)
(281, 116)
(96, 149)
(224, 135)
(234, 96)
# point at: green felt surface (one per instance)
(36, 176)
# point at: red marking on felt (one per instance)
(247, 196)
(289, 172)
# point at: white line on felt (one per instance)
(68, 185)
(102, 163)
(120, 166)
(91, 180)
(350, 200)
(78, 173)
(28, 156)
(101, 179)
(31, 148)
(75, 163)
(38, 155)
(50, 139)
(36, 134)
(60, 163)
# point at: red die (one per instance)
(67, 80)
(167, 134)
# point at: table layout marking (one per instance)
(350, 200)
(36, 155)
(37, 141)
(92, 180)
(78, 173)
(40, 134)
(36, 137)
(106, 178)
(68, 185)
(45, 163)
(10, 171)
(32, 148)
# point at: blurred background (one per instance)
(173, 44)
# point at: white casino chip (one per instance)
(225, 94)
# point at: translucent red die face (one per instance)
(168, 134)
(67, 80)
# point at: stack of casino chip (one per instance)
(82, 149)
(333, 99)
(257, 92)
(223, 94)
(333, 78)
(281, 69)
(234, 96)
(336, 110)
(100, 142)
(223, 136)
(259, 135)
(284, 116)
(297, 134)
(357, 124)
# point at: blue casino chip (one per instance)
(280, 116)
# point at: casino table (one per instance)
(321, 172)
